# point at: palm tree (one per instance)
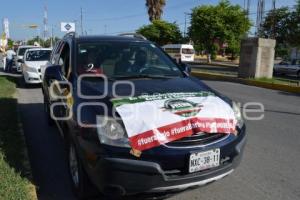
(155, 8)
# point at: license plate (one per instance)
(204, 160)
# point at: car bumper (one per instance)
(18, 66)
(191, 59)
(121, 176)
(32, 77)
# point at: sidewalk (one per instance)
(214, 63)
(275, 84)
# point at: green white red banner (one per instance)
(153, 120)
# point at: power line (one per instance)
(291, 7)
(116, 18)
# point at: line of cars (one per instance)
(30, 60)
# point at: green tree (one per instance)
(43, 43)
(155, 9)
(161, 32)
(278, 25)
(10, 43)
(283, 25)
(222, 23)
(35, 39)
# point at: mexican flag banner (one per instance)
(152, 120)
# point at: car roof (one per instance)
(28, 46)
(178, 46)
(38, 49)
(108, 38)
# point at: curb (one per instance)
(273, 86)
(213, 64)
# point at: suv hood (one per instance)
(161, 111)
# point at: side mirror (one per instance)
(53, 72)
(20, 60)
(186, 68)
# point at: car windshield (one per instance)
(22, 51)
(125, 60)
(188, 51)
(38, 55)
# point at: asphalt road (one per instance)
(269, 170)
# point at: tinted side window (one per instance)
(55, 53)
(64, 58)
(172, 50)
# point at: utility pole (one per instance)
(45, 21)
(184, 33)
(274, 18)
(81, 17)
(260, 15)
(274, 4)
(248, 8)
(185, 23)
(52, 36)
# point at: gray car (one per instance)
(288, 68)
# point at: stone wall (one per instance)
(257, 58)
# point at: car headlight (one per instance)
(31, 69)
(111, 132)
(238, 114)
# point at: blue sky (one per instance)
(99, 16)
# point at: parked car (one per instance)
(288, 68)
(31, 64)
(134, 121)
(20, 54)
(180, 52)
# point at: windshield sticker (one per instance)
(153, 120)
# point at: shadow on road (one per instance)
(11, 142)
(46, 154)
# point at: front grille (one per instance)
(197, 139)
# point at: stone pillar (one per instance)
(257, 58)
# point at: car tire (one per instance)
(81, 185)
(48, 117)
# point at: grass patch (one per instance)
(13, 185)
(281, 81)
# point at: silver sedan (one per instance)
(288, 68)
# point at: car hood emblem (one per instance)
(182, 107)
